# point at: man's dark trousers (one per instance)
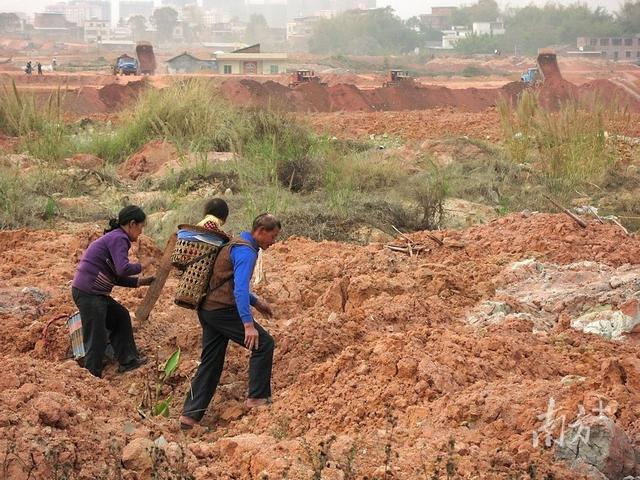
(218, 327)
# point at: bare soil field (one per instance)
(502, 350)
(380, 370)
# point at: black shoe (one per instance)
(132, 365)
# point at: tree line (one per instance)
(381, 32)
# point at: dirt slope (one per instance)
(375, 358)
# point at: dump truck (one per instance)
(300, 77)
(531, 77)
(396, 78)
(548, 65)
(125, 65)
(146, 58)
(547, 70)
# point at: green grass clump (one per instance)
(22, 114)
(568, 147)
(45, 136)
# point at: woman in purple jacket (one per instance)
(104, 265)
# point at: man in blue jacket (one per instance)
(226, 315)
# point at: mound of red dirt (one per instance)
(84, 101)
(313, 97)
(149, 160)
(376, 368)
(116, 96)
(610, 94)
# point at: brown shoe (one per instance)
(187, 423)
(257, 402)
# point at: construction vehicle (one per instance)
(300, 77)
(531, 77)
(146, 58)
(395, 78)
(125, 65)
(546, 71)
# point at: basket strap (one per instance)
(201, 257)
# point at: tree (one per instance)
(257, 29)
(483, 11)
(629, 17)
(364, 32)
(9, 22)
(478, 44)
(423, 28)
(138, 26)
(164, 19)
(531, 27)
(193, 18)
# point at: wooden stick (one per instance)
(573, 216)
(397, 249)
(620, 225)
(416, 249)
(402, 234)
(435, 239)
(155, 289)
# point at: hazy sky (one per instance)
(405, 8)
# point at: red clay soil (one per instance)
(107, 99)
(116, 96)
(86, 101)
(376, 370)
(148, 160)
(409, 125)
(347, 97)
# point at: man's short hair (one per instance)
(266, 221)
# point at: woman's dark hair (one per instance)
(126, 215)
(217, 207)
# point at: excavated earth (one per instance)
(387, 365)
(313, 97)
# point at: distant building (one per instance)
(440, 17)
(488, 28)
(50, 20)
(625, 48)
(79, 11)
(178, 33)
(187, 63)
(177, 3)
(251, 61)
(300, 30)
(53, 25)
(344, 5)
(120, 33)
(228, 8)
(131, 8)
(96, 31)
(228, 32)
(451, 37)
(118, 45)
(224, 47)
(214, 16)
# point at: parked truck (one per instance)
(125, 65)
(146, 58)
